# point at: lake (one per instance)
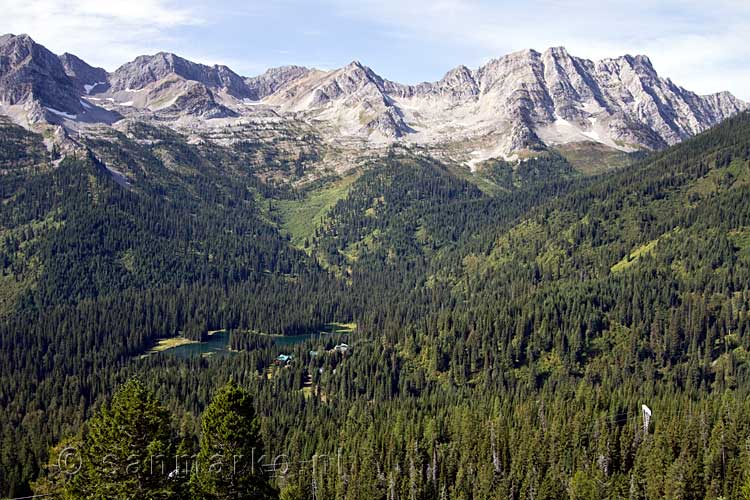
(218, 343)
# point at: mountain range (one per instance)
(507, 108)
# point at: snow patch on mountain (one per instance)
(61, 113)
(89, 87)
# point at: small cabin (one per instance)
(342, 348)
(284, 359)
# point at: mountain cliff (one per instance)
(86, 77)
(146, 70)
(33, 78)
(520, 102)
(528, 98)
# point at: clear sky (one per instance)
(702, 45)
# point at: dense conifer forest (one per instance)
(504, 327)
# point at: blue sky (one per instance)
(701, 45)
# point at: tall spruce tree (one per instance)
(229, 448)
(127, 450)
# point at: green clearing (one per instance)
(334, 328)
(591, 158)
(10, 290)
(170, 343)
(735, 175)
(341, 327)
(299, 218)
(633, 256)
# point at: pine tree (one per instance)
(583, 487)
(229, 449)
(127, 451)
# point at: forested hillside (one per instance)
(508, 324)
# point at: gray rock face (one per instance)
(145, 70)
(523, 100)
(457, 85)
(32, 75)
(556, 97)
(273, 79)
(84, 76)
(198, 100)
(354, 97)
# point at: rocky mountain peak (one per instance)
(640, 60)
(32, 75)
(457, 84)
(146, 70)
(353, 82)
(361, 74)
(20, 49)
(355, 64)
(559, 51)
(86, 77)
(274, 79)
(459, 74)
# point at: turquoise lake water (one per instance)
(218, 344)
